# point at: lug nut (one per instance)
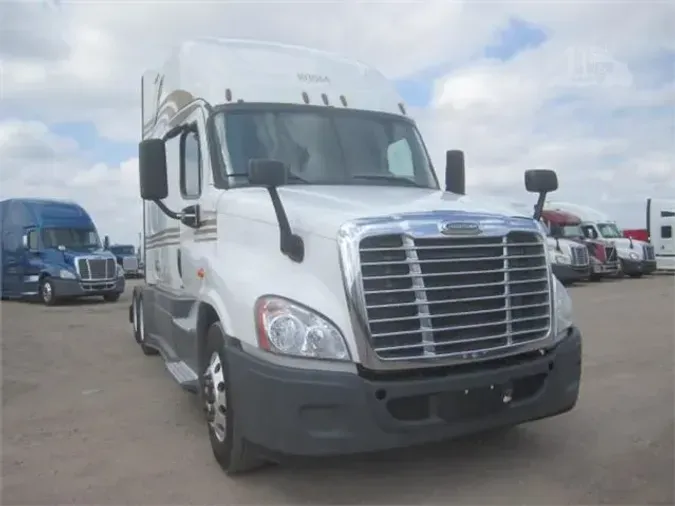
(221, 386)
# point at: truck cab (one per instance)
(660, 225)
(127, 259)
(51, 250)
(570, 257)
(308, 278)
(635, 257)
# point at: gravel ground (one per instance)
(87, 419)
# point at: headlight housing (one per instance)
(66, 274)
(633, 256)
(287, 328)
(564, 317)
(120, 271)
(563, 259)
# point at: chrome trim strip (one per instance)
(418, 226)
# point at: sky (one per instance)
(583, 88)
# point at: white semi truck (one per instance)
(660, 225)
(310, 280)
(636, 257)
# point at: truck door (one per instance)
(192, 181)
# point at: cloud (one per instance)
(582, 88)
(39, 163)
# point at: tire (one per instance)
(47, 292)
(595, 277)
(138, 324)
(635, 275)
(234, 454)
(112, 297)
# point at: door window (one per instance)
(190, 166)
(590, 232)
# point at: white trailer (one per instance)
(660, 225)
(310, 280)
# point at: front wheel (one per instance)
(232, 452)
(112, 297)
(47, 293)
(138, 322)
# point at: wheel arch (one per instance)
(207, 315)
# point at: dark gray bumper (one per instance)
(638, 266)
(569, 273)
(71, 288)
(315, 413)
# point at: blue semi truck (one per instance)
(51, 251)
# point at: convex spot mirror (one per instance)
(266, 172)
(541, 181)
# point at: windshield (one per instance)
(572, 231)
(123, 250)
(609, 231)
(322, 145)
(71, 238)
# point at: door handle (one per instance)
(190, 216)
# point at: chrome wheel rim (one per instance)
(215, 399)
(141, 321)
(134, 316)
(47, 292)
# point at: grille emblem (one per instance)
(460, 228)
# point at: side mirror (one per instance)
(106, 242)
(541, 181)
(152, 169)
(455, 172)
(265, 172)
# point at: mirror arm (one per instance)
(290, 244)
(171, 214)
(539, 206)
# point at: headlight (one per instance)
(562, 259)
(66, 274)
(120, 271)
(633, 256)
(564, 318)
(290, 329)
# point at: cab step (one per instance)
(184, 375)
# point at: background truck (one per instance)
(570, 257)
(636, 257)
(660, 225)
(603, 259)
(51, 250)
(127, 258)
(310, 280)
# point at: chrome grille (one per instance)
(610, 254)
(648, 251)
(96, 268)
(579, 256)
(454, 296)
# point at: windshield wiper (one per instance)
(384, 177)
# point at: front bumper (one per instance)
(638, 266)
(76, 288)
(568, 273)
(319, 413)
(607, 269)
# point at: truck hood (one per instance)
(321, 210)
(624, 243)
